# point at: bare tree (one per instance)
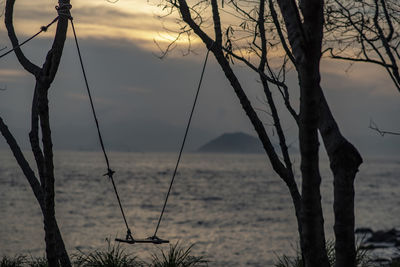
(365, 31)
(259, 30)
(43, 188)
(343, 156)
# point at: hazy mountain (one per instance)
(233, 143)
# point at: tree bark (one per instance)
(49, 205)
(34, 136)
(305, 39)
(311, 215)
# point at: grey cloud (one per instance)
(151, 118)
(143, 102)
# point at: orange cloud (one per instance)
(7, 75)
(133, 20)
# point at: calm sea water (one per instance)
(233, 207)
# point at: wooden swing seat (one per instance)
(151, 239)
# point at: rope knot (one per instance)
(63, 9)
(64, 6)
(44, 28)
(109, 173)
(129, 235)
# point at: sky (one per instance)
(143, 102)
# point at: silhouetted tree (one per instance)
(259, 29)
(365, 31)
(43, 188)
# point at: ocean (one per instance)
(233, 207)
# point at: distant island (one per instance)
(233, 143)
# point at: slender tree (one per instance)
(44, 76)
(260, 31)
(343, 156)
(283, 169)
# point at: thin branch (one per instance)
(34, 136)
(280, 33)
(217, 23)
(373, 126)
(22, 162)
(25, 62)
(369, 29)
(366, 60)
(261, 27)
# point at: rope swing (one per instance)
(129, 237)
(63, 10)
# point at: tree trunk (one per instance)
(311, 215)
(49, 206)
(344, 162)
(305, 38)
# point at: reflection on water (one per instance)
(233, 207)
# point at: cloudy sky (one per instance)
(143, 102)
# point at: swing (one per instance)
(152, 239)
(129, 239)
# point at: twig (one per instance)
(373, 126)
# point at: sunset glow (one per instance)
(136, 21)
